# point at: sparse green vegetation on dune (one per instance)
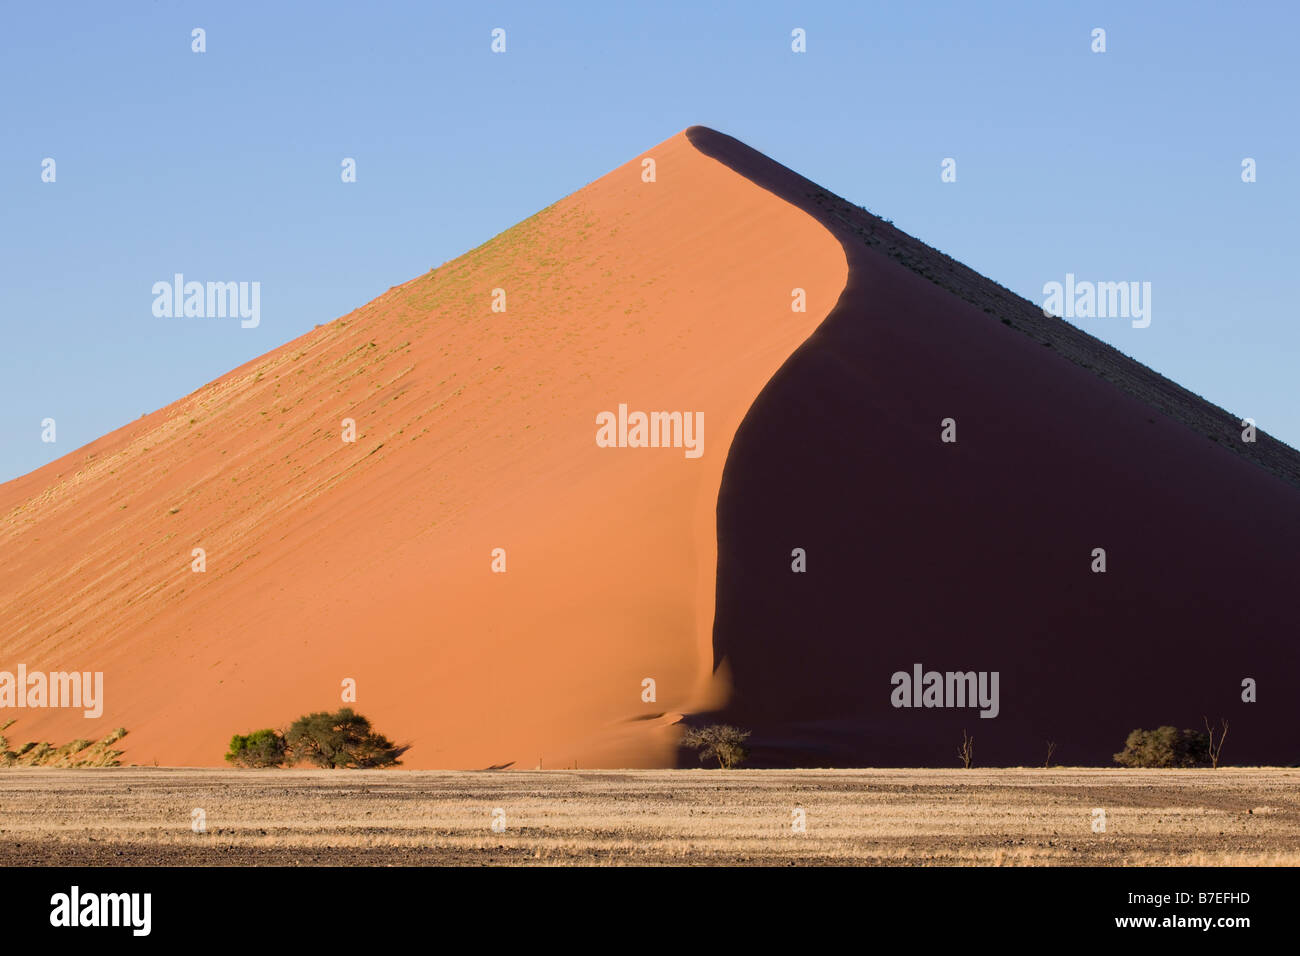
(82, 752)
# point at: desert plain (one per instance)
(134, 816)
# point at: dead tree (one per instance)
(967, 751)
(1216, 747)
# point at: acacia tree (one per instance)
(341, 739)
(722, 742)
(1165, 747)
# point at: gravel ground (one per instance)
(144, 816)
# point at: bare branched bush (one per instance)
(722, 742)
(1216, 743)
(967, 751)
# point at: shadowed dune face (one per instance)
(475, 430)
(976, 555)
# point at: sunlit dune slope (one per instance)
(476, 430)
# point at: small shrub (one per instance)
(722, 742)
(261, 748)
(1165, 747)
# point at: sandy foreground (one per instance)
(1015, 817)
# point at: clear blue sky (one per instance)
(225, 165)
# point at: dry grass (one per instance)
(911, 817)
(82, 752)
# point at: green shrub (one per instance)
(261, 748)
(1165, 747)
(341, 739)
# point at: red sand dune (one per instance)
(477, 430)
(976, 556)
